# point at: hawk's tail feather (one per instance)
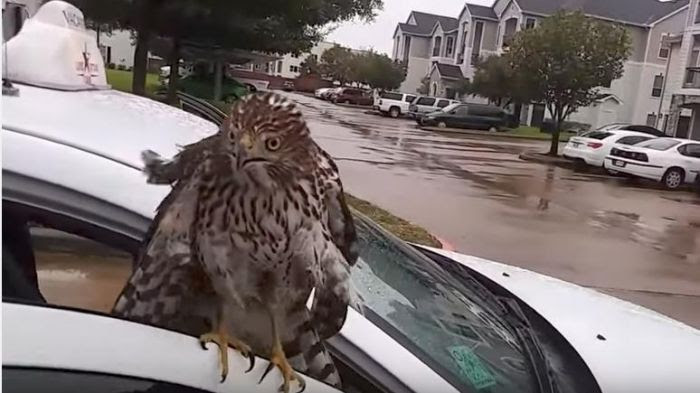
(316, 361)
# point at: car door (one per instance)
(690, 153)
(460, 118)
(80, 250)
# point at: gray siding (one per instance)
(673, 25)
(638, 35)
(420, 46)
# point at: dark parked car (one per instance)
(349, 95)
(477, 116)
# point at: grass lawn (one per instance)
(396, 225)
(535, 133)
(121, 80)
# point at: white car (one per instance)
(424, 105)
(432, 320)
(671, 161)
(318, 93)
(392, 103)
(593, 146)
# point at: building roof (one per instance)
(640, 12)
(449, 71)
(425, 23)
(481, 11)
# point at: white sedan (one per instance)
(432, 320)
(671, 161)
(593, 146)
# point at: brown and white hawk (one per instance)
(255, 220)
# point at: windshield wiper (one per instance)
(533, 349)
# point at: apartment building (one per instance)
(445, 49)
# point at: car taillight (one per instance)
(594, 145)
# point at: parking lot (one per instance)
(621, 237)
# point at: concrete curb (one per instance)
(549, 160)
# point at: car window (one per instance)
(443, 103)
(450, 107)
(391, 96)
(409, 98)
(600, 135)
(70, 270)
(690, 150)
(48, 380)
(442, 321)
(425, 101)
(659, 144)
(632, 139)
(462, 110)
(482, 110)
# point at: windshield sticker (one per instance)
(471, 367)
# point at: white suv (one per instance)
(424, 105)
(392, 103)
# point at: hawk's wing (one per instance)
(168, 287)
(331, 300)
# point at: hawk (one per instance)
(256, 220)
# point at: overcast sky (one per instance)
(378, 34)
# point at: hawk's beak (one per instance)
(247, 142)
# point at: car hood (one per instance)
(628, 348)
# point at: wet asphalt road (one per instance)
(626, 239)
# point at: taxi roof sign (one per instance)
(53, 49)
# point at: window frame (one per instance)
(656, 92)
(534, 22)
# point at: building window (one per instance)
(476, 45)
(279, 66)
(406, 47)
(663, 50)
(315, 57)
(437, 46)
(295, 55)
(697, 14)
(530, 23)
(651, 119)
(463, 44)
(449, 46)
(658, 85)
(293, 68)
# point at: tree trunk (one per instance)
(174, 72)
(218, 77)
(138, 83)
(557, 118)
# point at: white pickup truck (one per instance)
(393, 103)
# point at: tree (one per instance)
(310, 66)
(424, 87)
(273, 26)
(378, 71)
(495, 79)
(564, 60)
(336, 63)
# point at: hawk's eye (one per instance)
(273, 143)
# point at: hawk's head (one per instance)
(267, 127)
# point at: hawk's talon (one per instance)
(288, 374)
(223, 341)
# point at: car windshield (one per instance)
(450, 107)
(659, 144)
(448, 325)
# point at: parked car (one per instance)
(475, 116)
(593, 146)
(350, 95)
(432, 320)
(318, 93)
(288, 86)
(424, 105)
(392, 103)
(326, 95)
(633, 127)
(671, 161)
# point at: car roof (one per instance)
(627, 132)
(85, 119)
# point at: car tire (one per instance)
(673, 178)
(394, 112)
(441, 124)
(493, 129)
